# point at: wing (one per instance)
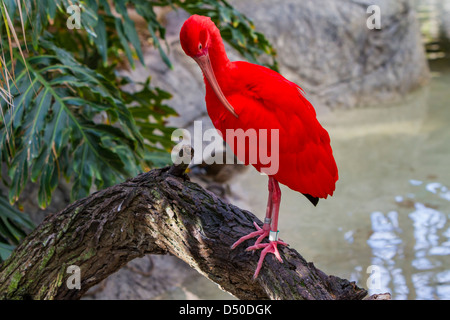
(264, 99)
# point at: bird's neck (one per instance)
(218, 56)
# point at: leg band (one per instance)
(273, 235)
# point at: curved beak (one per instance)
(205, 64)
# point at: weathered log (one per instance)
(158, 212)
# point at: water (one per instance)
(387, 227)
(390, 214)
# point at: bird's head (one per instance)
(195, 35)
(196, 40)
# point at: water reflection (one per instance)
(431, 232)
(386, 244)
(411, 246)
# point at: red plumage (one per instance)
(263, 99)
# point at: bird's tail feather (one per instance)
(314, 200)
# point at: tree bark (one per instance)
(158, 212)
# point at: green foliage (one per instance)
(12, 227)
(64, 112)
(235, 28)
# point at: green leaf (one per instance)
(11, 213)
(19, 173)
(124, 41)
(5, 251)
(101, 40)
(158, 159)
(51, 122)
(129, 29)
(13, 227)
(158, 46)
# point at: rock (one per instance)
(143, 278)
(326, 47)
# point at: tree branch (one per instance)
(158, 212)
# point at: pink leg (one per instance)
(263, 232)
(270, 247)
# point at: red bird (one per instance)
(246, 96)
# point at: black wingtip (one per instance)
(314, 200)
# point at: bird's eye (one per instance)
(200, 46)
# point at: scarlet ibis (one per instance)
(242, 95)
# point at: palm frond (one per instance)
(55, 121)
(13, 227)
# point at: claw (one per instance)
(256, 226)
(260, 233)
(270, 247)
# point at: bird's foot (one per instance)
(270, 247)
(261, 233)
